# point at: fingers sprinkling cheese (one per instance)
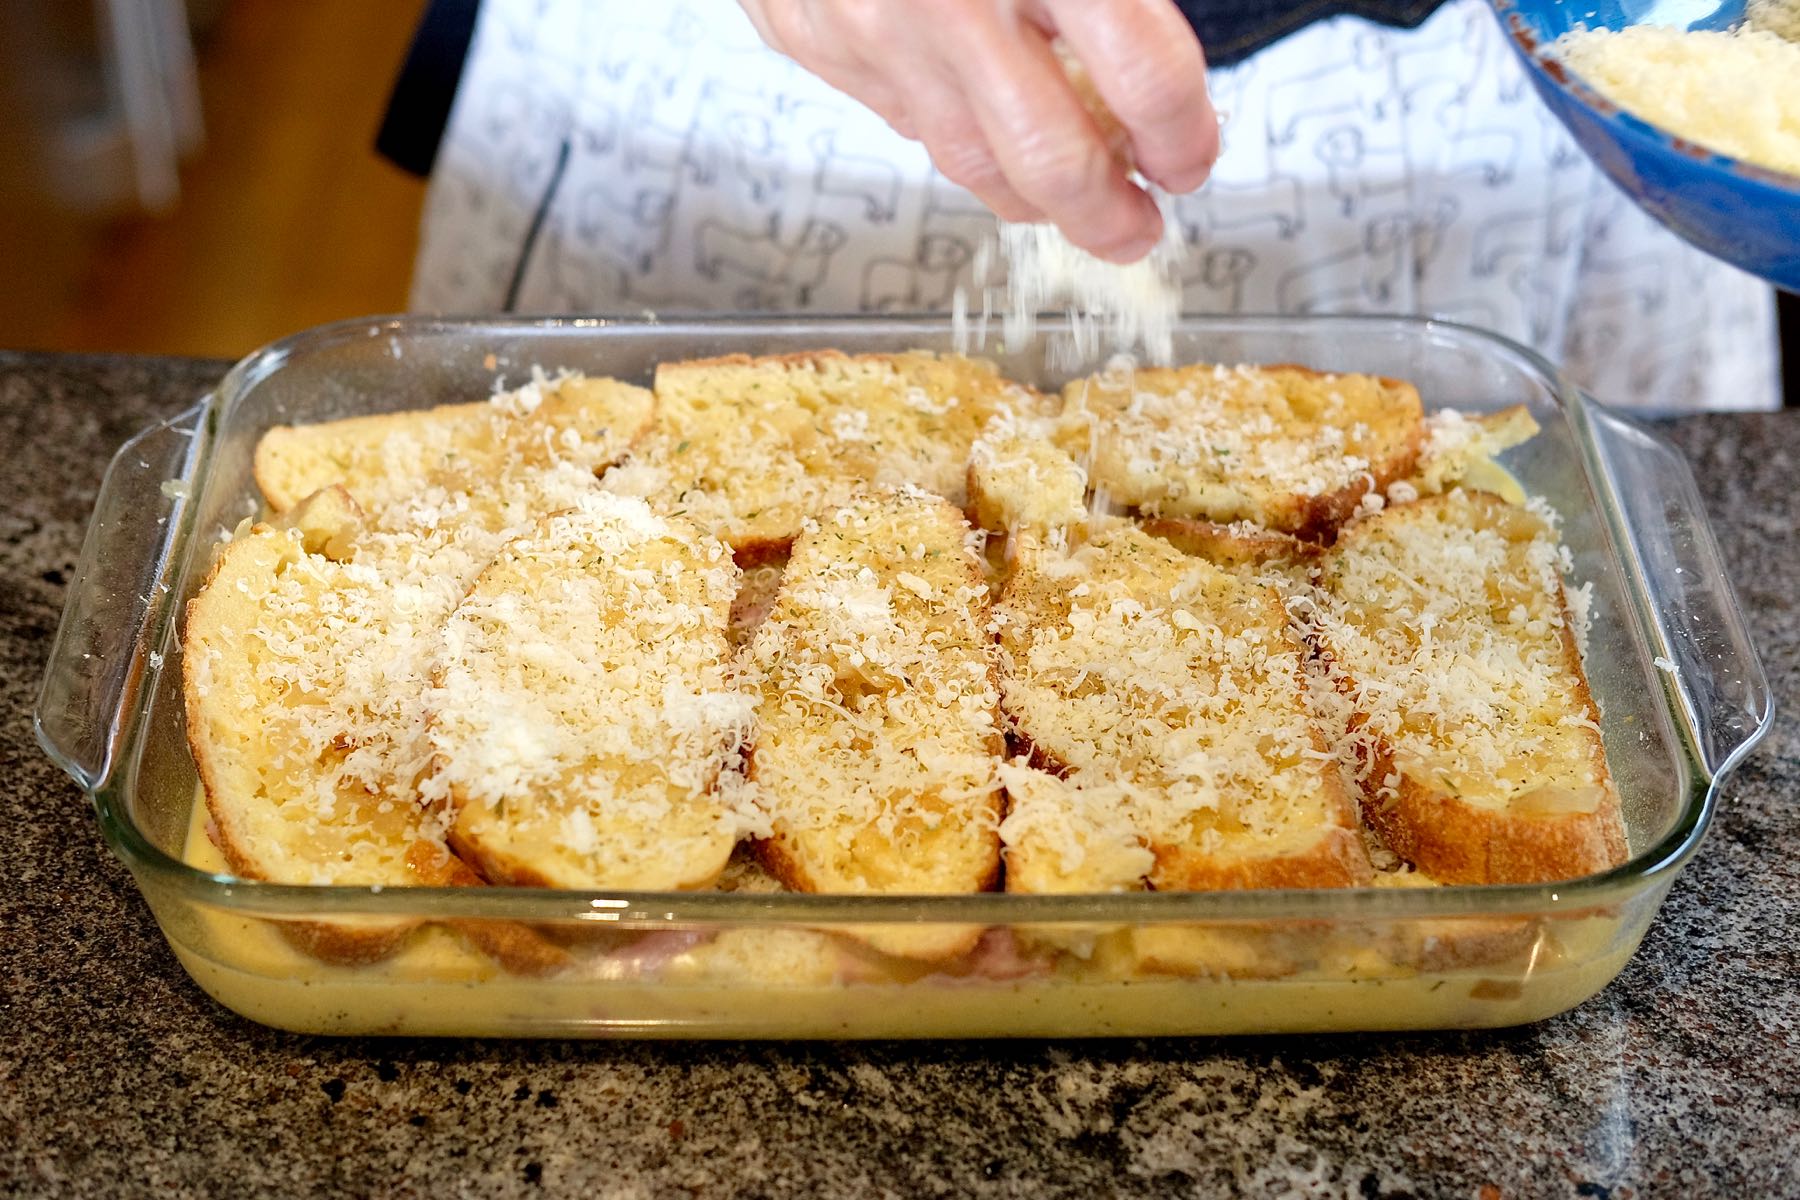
(587, 707)
(877, 722)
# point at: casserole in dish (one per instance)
(1668, 661)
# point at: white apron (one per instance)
(612, 156)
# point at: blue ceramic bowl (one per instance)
(1744, 214)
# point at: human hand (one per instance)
(978, 81)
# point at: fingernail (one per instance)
(1132, 250)
(1189, 180)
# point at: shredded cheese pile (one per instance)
(1737, 93)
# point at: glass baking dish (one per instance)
(1670, 661)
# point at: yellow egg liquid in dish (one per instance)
(787, 982)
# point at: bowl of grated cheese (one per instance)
(1692, 107)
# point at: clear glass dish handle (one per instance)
(1687, 604)
(119, 597)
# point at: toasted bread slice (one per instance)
(392, 457)
(1069, 837)
(877, 717)
(307, 766)
(1285, 447)
(1021, 481)
(1129, 663)
(1479, 742)
(749, 447)
(586, 704)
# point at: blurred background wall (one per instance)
(198, 177)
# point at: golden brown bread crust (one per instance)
(328, 941)
(757, 588)
(515, 946)
(1336, 860)
(1228, 545)
(930, 942)
(347, 944)
(1454, 841)
(1310, 517)
(504, 870)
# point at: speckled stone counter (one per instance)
(119, 1077)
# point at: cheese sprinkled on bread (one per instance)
(1291, 449)
(586, 704)
(749, 448)
(1170, 694)
(393, 457)
(877, 708)
(1479, 749)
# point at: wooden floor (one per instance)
(287, 218)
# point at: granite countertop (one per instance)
(119, 1077)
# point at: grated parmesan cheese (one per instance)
(1168, 692)
(585, 705)
(877, 726)
(1112, 308)
(1737, 93)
